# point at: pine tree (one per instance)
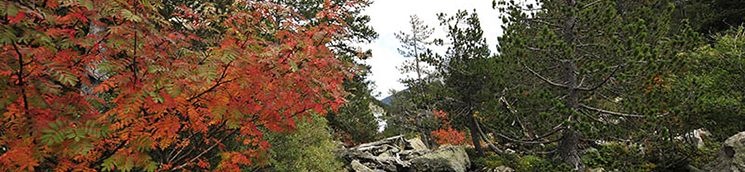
(413, 106)
(593, 59)
(414, 44)
(463, 69)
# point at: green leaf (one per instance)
(59, 137)
(151, 167)
(108, 164)
(66, 78)
(53, 125)
(12, 10)
(129, 16)
(48, 131)
(86, 3)
(128, 164)
(47, 138)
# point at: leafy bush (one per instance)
(310, 148)
(527, 163)
(618, 156)
(534, 163)
(449, 136)
(491, 160)
(446, 134)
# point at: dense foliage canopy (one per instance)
(154, 85)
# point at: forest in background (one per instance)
(280, 85)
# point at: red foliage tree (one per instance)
(101, 84)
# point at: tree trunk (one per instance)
(569, 145)
(425, 139)
(569, 150)
(475, 136)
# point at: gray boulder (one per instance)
(446, 159)
(731, 157)
(417, 144)
(400, 154)
(497, 169)
(359, 167)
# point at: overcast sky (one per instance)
(392, 16)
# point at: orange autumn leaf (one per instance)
(123, 85)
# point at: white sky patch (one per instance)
(392, 16)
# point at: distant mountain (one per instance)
(387, 100)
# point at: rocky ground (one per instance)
(411, 155)
(408, 155)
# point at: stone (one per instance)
(358, 167)
(695, 137)
(400, 154)
(731, 157)
(417, 144)
(496, 169)
(503, 169)
(445, 159)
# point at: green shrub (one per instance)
(528, 163)
(491, 160)
(535, 164)
(617, 156)
(310, 148)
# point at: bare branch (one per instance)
(507, 105)
(523, 141)
(542, 22)
(610, 112)
(602, 83)
(486, 139)
(219, 82)
(543, 78)
(587, 45)
(20, 79)
(556, 128)
(590, 4)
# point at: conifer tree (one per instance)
(592, 61)
(463, 69)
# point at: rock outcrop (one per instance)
(731, 157)
(399, 154)
(358, 167)
(451, 158)
(496, 169)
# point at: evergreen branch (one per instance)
(602, 83)
(610, 112)
(543, 78)
(557, 128)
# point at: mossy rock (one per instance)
(446, 159)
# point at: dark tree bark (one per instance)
(475, 135)
(569, 145)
